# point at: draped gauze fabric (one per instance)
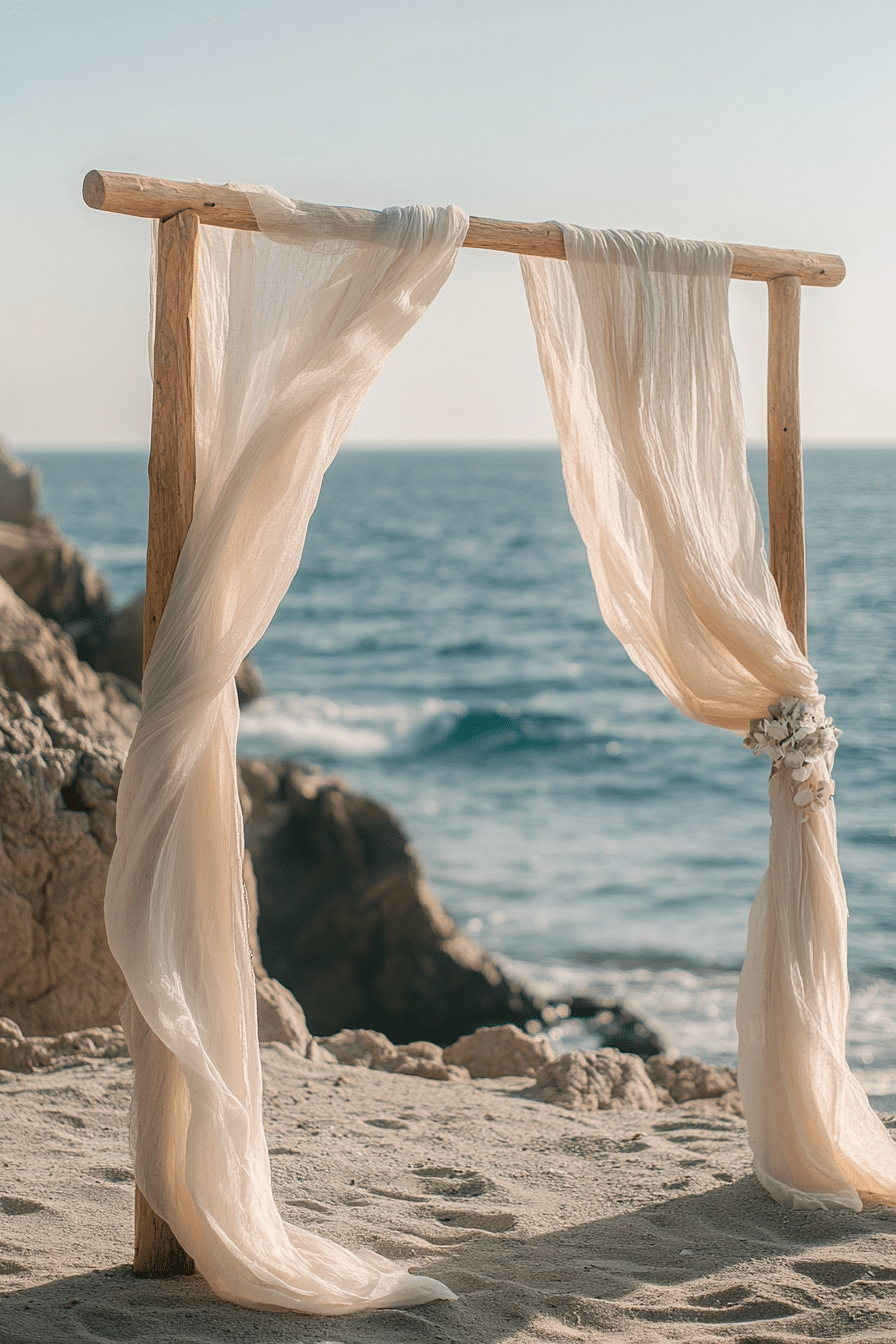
(292, 329)
(635, 347)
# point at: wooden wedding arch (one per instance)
(182, 207)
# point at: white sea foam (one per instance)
(313, 725)
(107, 553)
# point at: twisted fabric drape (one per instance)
(292, 329)
(635, 347)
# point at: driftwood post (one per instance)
(172, 479)
(787, 545)
(183, 206)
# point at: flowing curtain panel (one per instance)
(635, 347)
(292, 329)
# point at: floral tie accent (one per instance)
(798, 737)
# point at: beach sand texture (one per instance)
(550, 1225)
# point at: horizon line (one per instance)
(442, 445)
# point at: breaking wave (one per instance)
(312, 725)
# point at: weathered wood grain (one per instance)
(172, 479)
(155, 198)
(172, 455)
(787, 546)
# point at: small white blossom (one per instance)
(797, 736)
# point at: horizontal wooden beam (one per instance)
(154, 198)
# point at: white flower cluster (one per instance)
(797, 736)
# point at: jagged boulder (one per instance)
(51, 575)
(372, 1050)
(37, 562)
(596, 1080)
(280, 1018)
(347, 921)
(19, 491)
(22, 1054)
(686, 1079)
(64, 734)
(500, 1052)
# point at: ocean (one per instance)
(441, 648)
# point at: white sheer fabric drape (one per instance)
(635, 348)
(292, 330)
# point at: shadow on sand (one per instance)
(777, 1274)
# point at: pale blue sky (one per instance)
(766, 123)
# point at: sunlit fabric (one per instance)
(635, 347)
(292, 329)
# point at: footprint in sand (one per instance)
(453, 1182)
(469, 1226)
(838, 1273)
(482, 1222)
(117, 1175)
(735, 1305)
(698, 1134)
(311, 1204)
(724, 1297)
(446, 1182)
(70, 1121)
(389, 1192)
(13, 1206)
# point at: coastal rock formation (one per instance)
(500, 1052)
(617, 1027)
(19, 491)
(48, 573)
(37, 562)
(373, 1050)
(280, 1018)
(684, 1079)
(64, 733)
(596, 1080)
(347, 921)
(22, 1054)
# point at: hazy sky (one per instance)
(763, 123)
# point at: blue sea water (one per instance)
(442, 649)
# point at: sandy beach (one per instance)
(550, 1225)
